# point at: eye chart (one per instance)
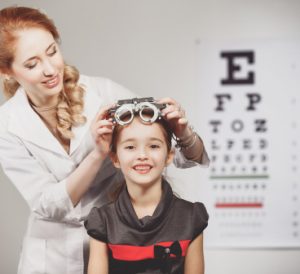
(249, 114)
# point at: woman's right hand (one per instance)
(101, 130)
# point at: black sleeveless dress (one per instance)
(153, 244)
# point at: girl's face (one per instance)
(142, 153)
(38, 66)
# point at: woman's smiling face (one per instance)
(38, 66)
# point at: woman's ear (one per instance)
(114, 158)
(170, 156)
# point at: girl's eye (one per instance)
(154, 146)
(129, 147)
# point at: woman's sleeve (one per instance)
(95, 225)
(181, 161)
(200, 218)
(45, 195)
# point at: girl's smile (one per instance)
(142, 168)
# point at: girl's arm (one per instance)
(98, 261)
(194, 259)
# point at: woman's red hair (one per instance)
(71, 101)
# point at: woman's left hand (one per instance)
(175, 115)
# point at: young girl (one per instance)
(147, 229)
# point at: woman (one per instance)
(49, 131)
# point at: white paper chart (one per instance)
(249, 116)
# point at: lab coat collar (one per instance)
(27, 125)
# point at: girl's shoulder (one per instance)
(188, 205)
(100, 211)
(191, 210)
(95, 223)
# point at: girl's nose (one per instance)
(142, 154)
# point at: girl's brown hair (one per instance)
(167, 132)
(70, 106)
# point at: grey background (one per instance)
(149, 47)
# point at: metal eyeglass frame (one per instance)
(134, 106)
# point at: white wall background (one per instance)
(149, 46)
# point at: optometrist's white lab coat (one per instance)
(38, 166)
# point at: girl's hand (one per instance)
(101, 130)
(175, 115)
